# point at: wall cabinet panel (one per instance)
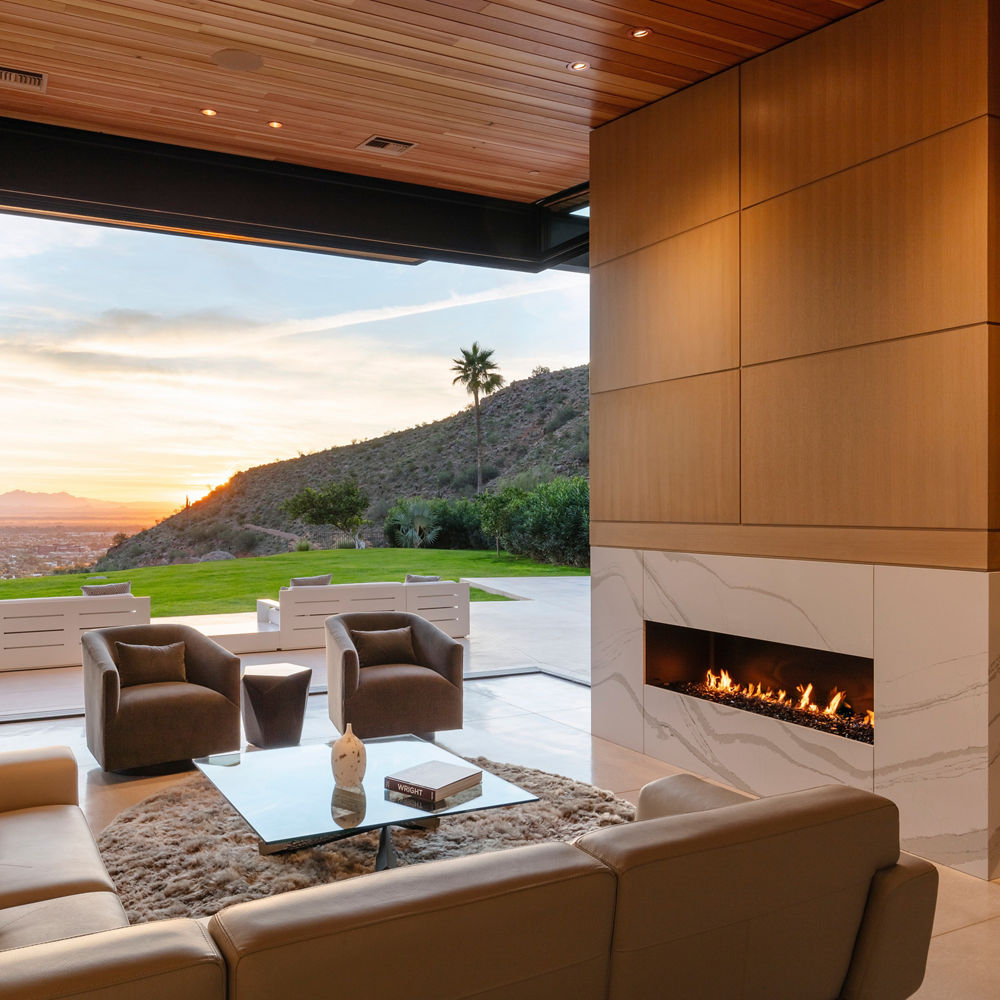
(884, 78)
(892, 435)
(667, 168)
(667, 451)
(893, 247)
(668, 310)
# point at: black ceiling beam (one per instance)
(111, 180)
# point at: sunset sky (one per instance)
(137, 366)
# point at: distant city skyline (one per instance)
(139, 366)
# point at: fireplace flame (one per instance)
(722, 681)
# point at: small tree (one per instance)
(496, 510)
(478, 372)
(339, 504)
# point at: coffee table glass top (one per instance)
(288, 796)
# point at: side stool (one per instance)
(274, 703)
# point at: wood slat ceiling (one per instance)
(482, 88)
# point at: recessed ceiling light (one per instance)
(640, 32)
(578, 67)
(275, 124)
(209, 112)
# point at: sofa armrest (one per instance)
(162, 960)
(684, 793)
(437, 650)
(890, 954)
(43, 777)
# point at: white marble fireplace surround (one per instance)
(934, 635)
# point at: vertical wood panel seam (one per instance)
(739, 298)
(870, 159)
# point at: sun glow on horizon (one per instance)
(141, 367)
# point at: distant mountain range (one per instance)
(59, 506)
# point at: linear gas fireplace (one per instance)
(680, 638)
(832, 692)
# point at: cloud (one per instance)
(552, 281)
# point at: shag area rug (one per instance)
(187, 852)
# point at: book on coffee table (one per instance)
(433, 780)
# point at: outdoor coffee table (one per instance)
(288, 798)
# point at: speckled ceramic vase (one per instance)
(349, 760)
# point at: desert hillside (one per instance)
(537, 426)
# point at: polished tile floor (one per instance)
(544, 722)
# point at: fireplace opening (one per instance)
(834, 692)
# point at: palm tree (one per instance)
(477, 371)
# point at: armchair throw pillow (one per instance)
(391, 645)
(150, 664)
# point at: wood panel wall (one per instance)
(801, 256)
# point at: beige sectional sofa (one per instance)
(706, 896)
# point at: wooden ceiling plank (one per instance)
(734, 25)
(546, 64)
(540, 35)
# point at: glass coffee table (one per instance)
(288, 797)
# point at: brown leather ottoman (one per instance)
(274, 703)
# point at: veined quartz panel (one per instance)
(935, 755)
(755, 753)
(818, 605)
(616, 645)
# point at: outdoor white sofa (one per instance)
(46, 631)
(300, 612)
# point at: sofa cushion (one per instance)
(417, 578)
(323, 580)
(164, 722)
(62, 917)
(404, 698)
(390, 645)
(149, 664)
(160, 960)
(47, 852)
(533, 922)
(106, 589)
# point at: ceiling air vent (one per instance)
(22, 79)
(391, 147)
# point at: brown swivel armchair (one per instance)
(144, 724)
(391, 698)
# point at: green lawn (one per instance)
(235, 584)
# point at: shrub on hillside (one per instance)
(562, 416)
(460, 524)
(552, 523)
